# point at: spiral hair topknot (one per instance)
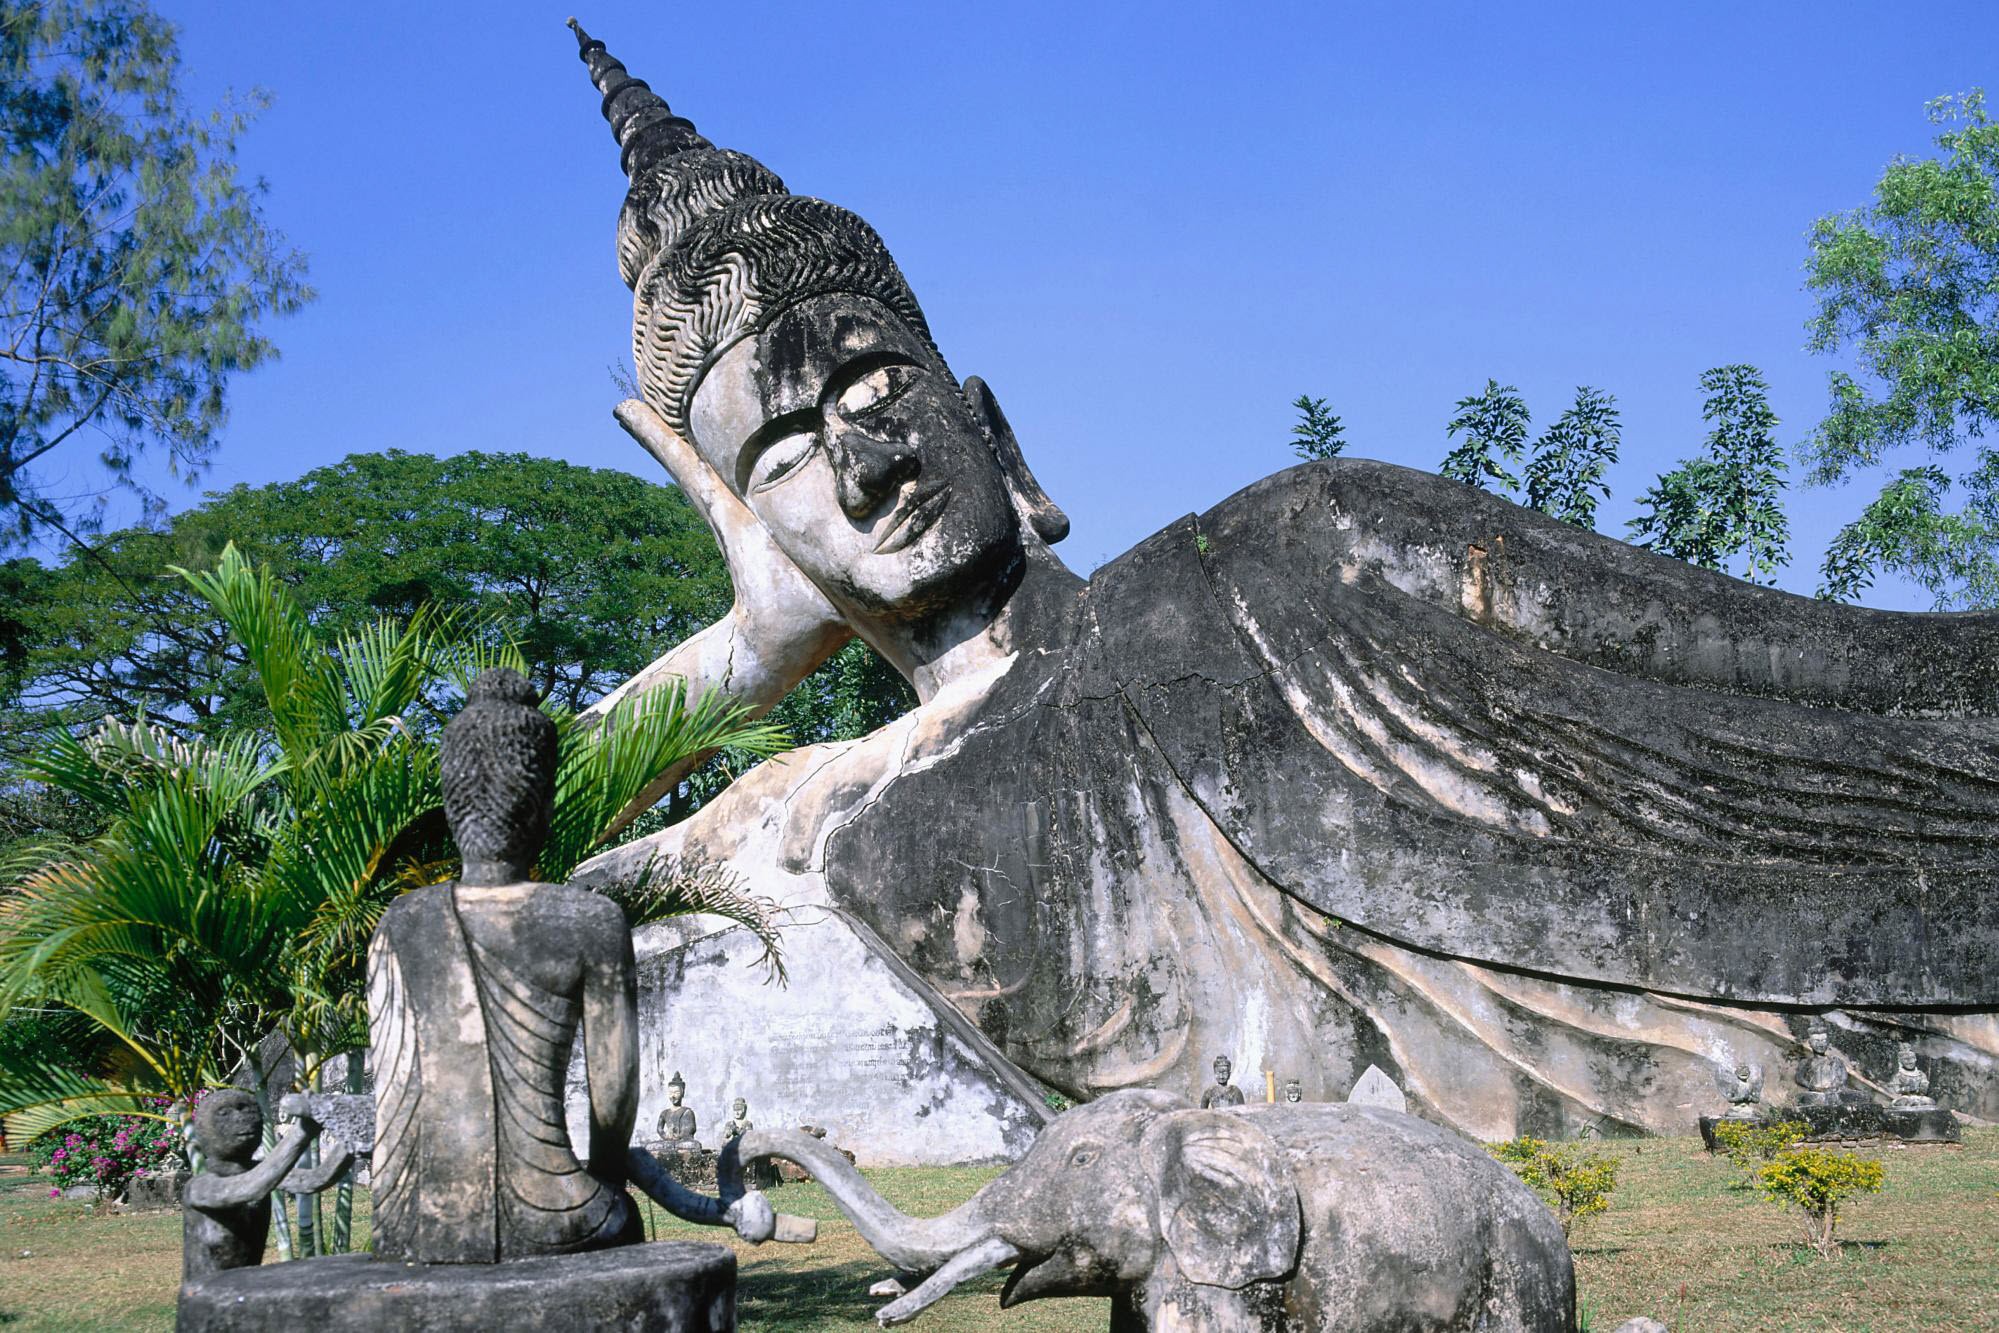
(713, 246)
(497, 767)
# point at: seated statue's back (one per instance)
(476, 991)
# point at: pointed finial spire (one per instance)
(644, 125)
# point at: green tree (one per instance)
(1565, 478)
(1574, 1182)
(1709, 510)
(241, 876)
(1494, 425)
(136, 267)
(1911, 284)
(1318, 432)
(1817, 1182)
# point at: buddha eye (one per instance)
(877, 389)
(781, 459)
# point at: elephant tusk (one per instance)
(988, 1254)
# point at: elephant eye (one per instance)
(1082, 1157)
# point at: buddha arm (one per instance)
(775, 635)
(611, 1048)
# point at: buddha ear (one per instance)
(1049, 522)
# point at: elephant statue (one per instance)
(1263, 1217)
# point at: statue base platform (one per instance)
(695, 1168)
(656, 1288)
(1854, 1122)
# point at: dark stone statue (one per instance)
(676, 1123)
(476, 990)
(1822, 1075)
(226, 1208)
(1223, 1093)
(1294, 1091)
(1743, 1089)
(1909, 1084)
(738, 1122)
(1417, 778)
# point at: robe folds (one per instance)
(1365, 767)
(472, 1159)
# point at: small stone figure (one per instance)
(1910, 1085)
(1743, 1087)
(738, 1123)
(1822, 1075)
(226, 1210)
(676, 1122)
(1294, 1092)
(1223, 1093)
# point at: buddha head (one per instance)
(1223, 1069)
(675, 1088)
(1293, 1091)
(497, 768)
(229, 1126)
(776, 334)
(1816, 1039)
(1905, 1056)
(739, 1109)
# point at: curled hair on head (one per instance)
(497, 766)
(737, 269)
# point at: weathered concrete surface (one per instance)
(849, 1044)
(668, 1287)
(1249, 1219)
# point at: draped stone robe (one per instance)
(1367, 767)
(471, 1032)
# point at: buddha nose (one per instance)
(867, 470)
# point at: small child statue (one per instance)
(226, 1210)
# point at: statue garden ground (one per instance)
(1678, 1243)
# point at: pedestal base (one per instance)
(1855, 1123)
(665, 1287)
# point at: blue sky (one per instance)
(1149, 228)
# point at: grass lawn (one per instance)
(1679, 1243)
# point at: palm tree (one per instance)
(234, 892)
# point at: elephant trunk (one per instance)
(912, 1244)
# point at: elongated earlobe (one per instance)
(1048, 521)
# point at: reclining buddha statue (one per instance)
(1359, 767)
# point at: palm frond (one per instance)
(665, 887)
(600, 770)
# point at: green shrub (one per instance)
(1750, 1143)
(1574, 1182)
(1816, 1181)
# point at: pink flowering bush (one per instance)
(106, 1151)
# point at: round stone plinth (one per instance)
(668, 1287)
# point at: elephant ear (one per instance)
(1226, 1207)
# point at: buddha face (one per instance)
(846, 436)
(739, 1108)
(1223, 1069)
(1906, 1057)
(1817, 1040)
(229, 1125)
(675, 1092)
(1293, 1093)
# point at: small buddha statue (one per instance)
(738, 1123)
(1743, 1087)
(676, 1122)
(226, 1209)
(1910, 1085)
(1223, 1093)
(1294, 1091)
(1822, 1075)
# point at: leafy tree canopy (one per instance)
(1565, 478)
(136, 267)
(1728, 503)
(1494, 425)
(1910, 283)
